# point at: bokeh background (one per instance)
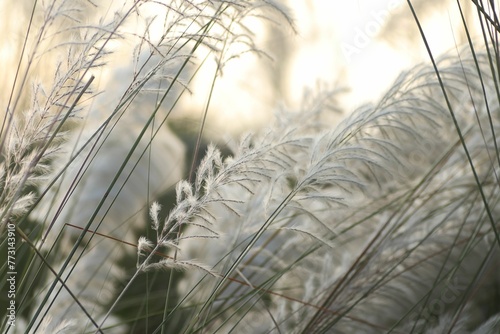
(359, 47)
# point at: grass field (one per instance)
(124, 209)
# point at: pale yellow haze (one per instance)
(338, 44)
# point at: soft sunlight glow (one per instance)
(338, 44)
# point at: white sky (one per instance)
(337, 44)
(348, 47)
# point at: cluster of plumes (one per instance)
(100, 171)
(31, 122)
(381, 223)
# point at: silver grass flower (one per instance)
(386, 222)
(96, 177)
(373, 226)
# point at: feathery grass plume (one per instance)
(490, 326)
(33, 109)
(109, 166)
(47, 85)
(373, 226)
(387, 222)
(54, 59)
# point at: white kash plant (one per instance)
(96, 175)
(376, 225)
(386, 222)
